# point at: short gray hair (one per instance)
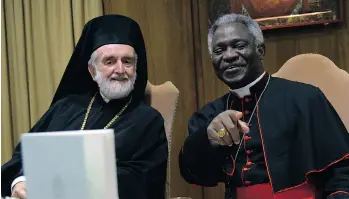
(252, 26)
(93, 59)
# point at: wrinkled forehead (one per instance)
(230, 32)
(116, 50)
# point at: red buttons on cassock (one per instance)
(246, 112)
(249, 163)
(247, 182)
(247, 138)
(247, 99)
(249, 152)
(245, 169)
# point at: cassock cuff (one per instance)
(338, 195)
(200, 148)
(17, 180)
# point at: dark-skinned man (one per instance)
(267, 138)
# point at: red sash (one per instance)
(264, 191)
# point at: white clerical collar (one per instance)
(245, 91)
(104, 98)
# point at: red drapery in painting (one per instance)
(267, 8)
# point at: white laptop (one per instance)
(70, 165)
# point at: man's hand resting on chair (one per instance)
(19, 191)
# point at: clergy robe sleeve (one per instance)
(337, 185)
(144, 175)
(331, 146)
(199, 162)
(13, 168)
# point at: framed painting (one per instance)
(274, 14)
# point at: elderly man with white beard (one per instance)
(111, 50)
(114, 82)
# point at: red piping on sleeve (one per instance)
(338, 192)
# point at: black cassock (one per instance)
(140, 142)
(295, 130)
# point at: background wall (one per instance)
(175, 32)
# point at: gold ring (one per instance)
(221, 133)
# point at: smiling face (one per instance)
(113, 67)
(236, 59)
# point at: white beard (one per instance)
(112, 89)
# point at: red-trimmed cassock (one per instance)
(297, 146)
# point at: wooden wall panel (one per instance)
(208, 86)
(167, 30)
(281, 46)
